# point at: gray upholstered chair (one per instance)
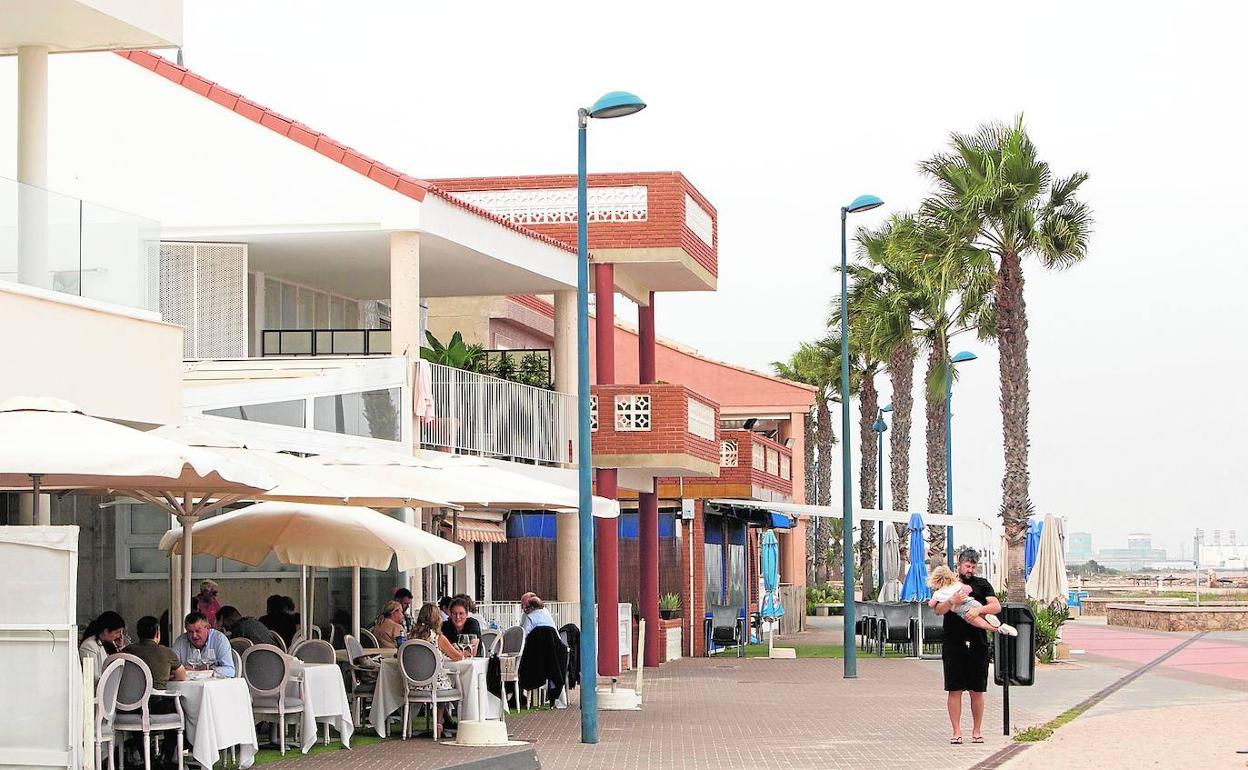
(725, 628)
(278, 641)
(510, 648)
(895, 625)
(315, 630)
(367, 638)
(106, 711)
(134, 695)
(421, 665)
(314, 651)
(240, 644)
(267, 671)
(363, 677)
(488, 639)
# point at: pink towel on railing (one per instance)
(423, 405)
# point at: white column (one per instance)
(405, 298)
(32, 166)
(26, 510)
(567, 527)
(487, 568)
(259, 298)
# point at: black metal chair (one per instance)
(933, 628)
(725, 628)
(894, 625)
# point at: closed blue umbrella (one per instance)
(770, 559)
(1031, 546)
(914, 588)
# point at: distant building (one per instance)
(1139, 554)
(1234, 557)
(1078, 547)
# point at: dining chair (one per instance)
(278, 642)
(363, 678)
(134, 695)
(240, 643)
(267, 671)
(106, 711)
(422, 668)
(314, 651)
(366, 637)
(510, 647)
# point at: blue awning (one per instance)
(780, 521)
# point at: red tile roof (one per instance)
(312, 139)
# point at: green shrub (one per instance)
(822, 595)
(669, 602)
(1049, 622)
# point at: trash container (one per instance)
(1015, 656)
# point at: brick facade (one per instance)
(669, 425)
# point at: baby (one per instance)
(945, 583)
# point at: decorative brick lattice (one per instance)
(786, 468)
(632, 413)
(699, 221)
(758, 457)
(728, 453)
(593, 413)
(773, 462)
(701, 420)
(558, 205)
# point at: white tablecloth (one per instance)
(218, 714)
(325, 700)
(468, 675)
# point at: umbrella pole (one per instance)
(355, 602)
(303, 599)
(188, 521)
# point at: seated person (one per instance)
(164, 666)
(459, 622)
(281, 617)
(536, 614)
(389, 626)
(204, 645)
(239, 627)
(471, 604)
(426, 629)
(444, 607)
(102, 637)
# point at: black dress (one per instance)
(965, 648)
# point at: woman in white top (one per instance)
(102, 637)
(428, 627)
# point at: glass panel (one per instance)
(349, 342)
(322, 310)
(324, 343)
(271, 342)
(296, 343)
(270, 564)
(290, 308)
(145, 560)
(307, 308)
(289, 413)
(350, 314)
(374, 414)
(272, 304)
(714, 573)
(148, 520)
(335, 313)
(379, 341)
(736, 575)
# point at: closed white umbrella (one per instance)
(890, 587)
(49, 444)
(318, 536)
(1047, 583)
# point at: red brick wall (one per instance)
(745, 472)
(669, 423)
(694, 530)
(665, 218)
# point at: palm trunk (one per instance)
(935, 458)
(868, 407)
(810, 449)
(901, 374)
(827, 441)
(1012, 339)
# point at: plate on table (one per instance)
(197, 676)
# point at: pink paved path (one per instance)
(1208, 657)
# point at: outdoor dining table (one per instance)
(324, 700)
(369, 652)
(468, 676)
(218, 715)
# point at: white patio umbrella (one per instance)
(467, 481)
(50, 444)
(303, 480)
(890, 586)
(1047, 583)
(327, 536)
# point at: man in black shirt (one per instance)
(965, 649)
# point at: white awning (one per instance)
(860, 514)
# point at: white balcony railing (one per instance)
(65, 244)
(504, 615)
(479, 414)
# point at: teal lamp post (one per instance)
(957, 359)
(616, 104)
(859, 204)
(879, 426)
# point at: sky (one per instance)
(781, 113)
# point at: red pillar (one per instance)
(606, 531)
(648, 503)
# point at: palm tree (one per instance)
(814, 364)
(992, 185)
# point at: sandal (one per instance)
(977, 739)
(956, 741)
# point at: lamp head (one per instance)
(887, 408)
(863, 203)
(965, 355)
(616, 104)
(879, 426)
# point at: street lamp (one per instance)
(957, 359)
(859, 204)
(616, 104)
(879, 426)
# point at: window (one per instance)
(139, 529)
(758, 457)
(701, 420)
(773, 462)
(786, 468)
(288, 413)
(371, 414)
(272, 304)
(290, 307)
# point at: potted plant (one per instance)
(669, 606)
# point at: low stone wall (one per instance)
(1223, 617)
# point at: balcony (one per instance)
(483, 415)
(325, 342)
(67, 245)
(661, 429)
(751, 467)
